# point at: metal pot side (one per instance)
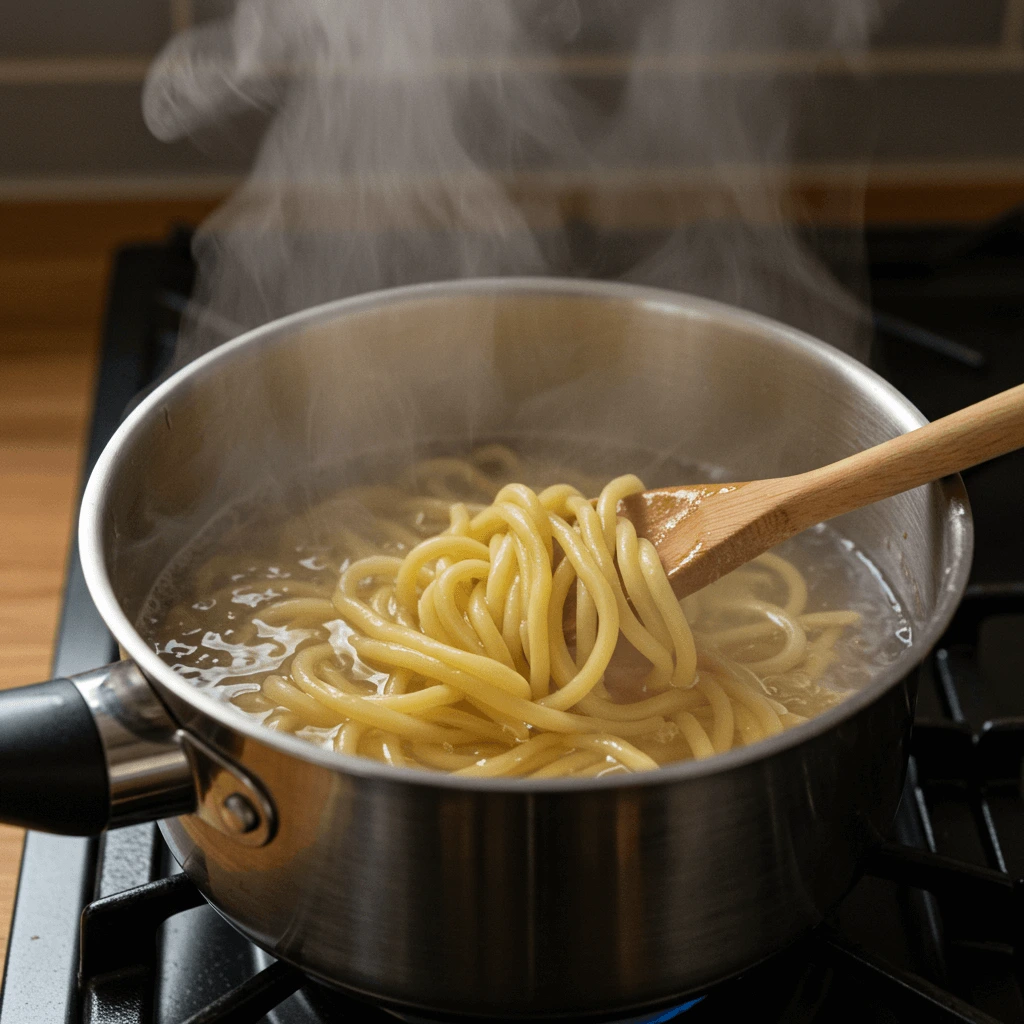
(506, 897)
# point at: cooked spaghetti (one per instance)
(441, 644)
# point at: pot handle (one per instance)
(92, 752)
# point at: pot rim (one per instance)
(958, 532)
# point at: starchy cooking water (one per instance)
(210, 617)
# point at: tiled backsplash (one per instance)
(944, 89)
(88, 28)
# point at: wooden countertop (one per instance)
(45, 389)
(54, 268)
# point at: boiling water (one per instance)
(203, 617)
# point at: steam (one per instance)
(415, 140)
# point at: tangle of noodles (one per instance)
(442, 647)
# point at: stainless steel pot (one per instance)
(486, 897)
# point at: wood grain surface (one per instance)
(54, 268)
(45, 391)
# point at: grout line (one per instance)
(185, 186)
(72, 70)
(1005, 58)
(1013, 25)
(932, 59)
(731, 176)
(182, 15)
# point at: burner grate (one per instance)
(981, 906)
(824, 965)
(253, 999)
(118, 944)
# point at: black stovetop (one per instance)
(932, 932)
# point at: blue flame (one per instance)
(674, 1012)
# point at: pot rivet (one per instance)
(238, 814)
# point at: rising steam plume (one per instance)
(414, 140)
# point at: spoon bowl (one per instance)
(703, 531)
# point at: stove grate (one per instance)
(253, 999)
(119, 951)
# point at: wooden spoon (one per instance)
(703, 531)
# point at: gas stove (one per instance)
(108, 931)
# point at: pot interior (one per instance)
(287, 411)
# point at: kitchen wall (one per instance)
(944, 98)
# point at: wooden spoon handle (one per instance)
(956, 442)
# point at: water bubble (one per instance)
(666, 733)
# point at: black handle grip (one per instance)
(53, 772)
